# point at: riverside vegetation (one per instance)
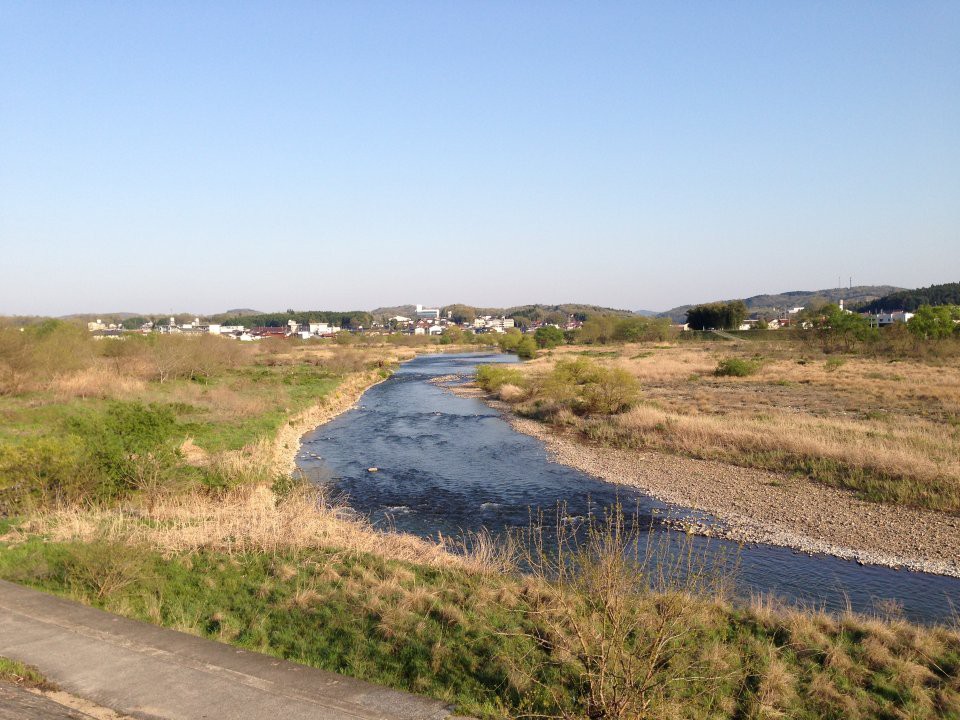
(883, 424)
(142, 476)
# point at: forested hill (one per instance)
(796, 298)
(910, 300)
(523, 314)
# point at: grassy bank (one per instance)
(289, 576)
(86, 420)
(887, 430)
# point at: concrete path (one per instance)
(155, 673)
(17, 703)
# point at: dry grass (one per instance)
(99, 381)
(889, 430)
(251, 518)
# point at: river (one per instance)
(449, 464)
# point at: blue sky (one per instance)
(201, 156)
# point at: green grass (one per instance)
(421, 632)
(63, 449)
(12, 671)
(472, 639)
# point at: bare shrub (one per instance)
(98, 381)
(510, 393)
(32, 357)
(174, 357)
(106, 570)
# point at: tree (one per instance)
(510, 340)
(461, 313)
(527, 348)
(641, 329)
(133, 323)
(932, 323)
(910, 300)
(598, 329)
(843, 328)
(451, 336)
(548, 337)
(717, 316)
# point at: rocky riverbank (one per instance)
(757, 506)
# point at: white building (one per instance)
(425, 313)
(322, 329)
(884, 319)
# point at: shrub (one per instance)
(45, 469)
(492, 377)
(129, 442)
(736, 367)
(613, 391)
(511, 393)
(30, 358)
(527, 348)
(510, 340)
(585, 388)
(833, 364)
(548, 336)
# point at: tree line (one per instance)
(351, 319)
(912, 300)
(717, 316)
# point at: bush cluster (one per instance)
(493, 377)
(737, 367)
(580, 386)
(95, 456)
(603, 329)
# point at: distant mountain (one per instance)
(910, 300)
(529, 313)
(646, 313)
(393, 311)
(544, 313)
(241, 311)
(110, 316)
(858, 294)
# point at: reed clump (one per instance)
(248, 518)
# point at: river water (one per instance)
(448, 464)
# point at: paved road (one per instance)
(155, 673)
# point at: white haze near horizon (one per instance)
(196, 157)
